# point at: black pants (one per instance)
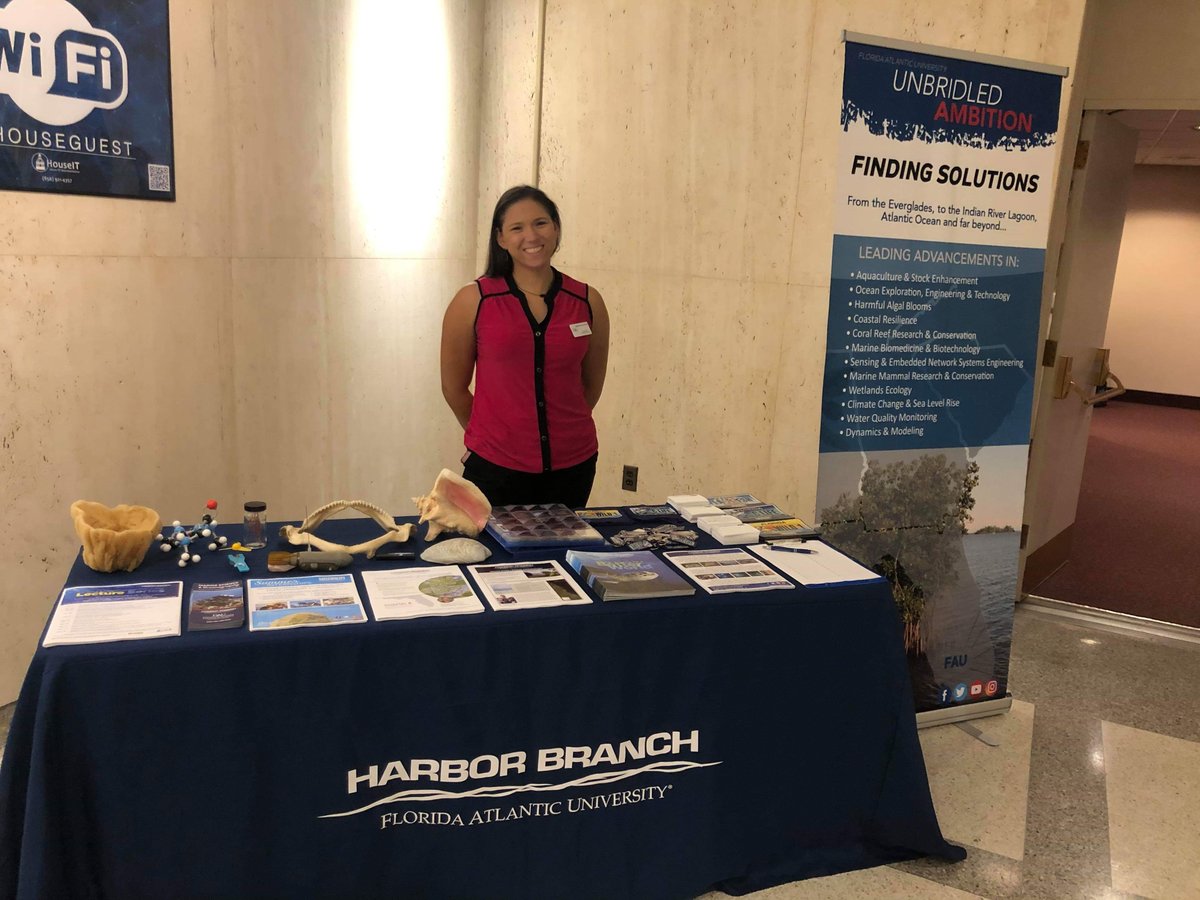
(508, 487)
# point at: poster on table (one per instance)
(944, 190)
(85, 98)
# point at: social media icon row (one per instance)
(976, 690)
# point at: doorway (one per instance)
(1135, 529)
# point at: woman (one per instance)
(536, 341)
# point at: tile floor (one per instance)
(1093, 793)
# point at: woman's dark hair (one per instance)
(499, 263)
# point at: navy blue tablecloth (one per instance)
(782, 744)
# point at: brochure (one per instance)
(303, 601)
(609, 515)
(527, 585)
(813, 563)
(782, 528)
(734, 501)
(419, 591)
(727, 571)
(116, 612)
(653, 513)
(765, 513)
(212, 606)
(630, 574)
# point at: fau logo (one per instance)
(55, 66)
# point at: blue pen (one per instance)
(790, 549)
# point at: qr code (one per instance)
(160, 177)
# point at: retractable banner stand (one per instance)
(944, 191)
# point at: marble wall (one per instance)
(268, 335)
(510, 98)
(691, 148)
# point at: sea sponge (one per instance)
(114, 538)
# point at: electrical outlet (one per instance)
(629, 478)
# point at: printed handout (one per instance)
(727, 571)
(302, 601)
(527, 585)
(215, 606)
(419, 591)
(116, 612)
(813, 563)
(734, 501)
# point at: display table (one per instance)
(732, 742)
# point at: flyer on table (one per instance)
(527, 585)
(116, 612)
(216, 606)
(303, 601)
(727, 571)
(420, 591)
(812, 563)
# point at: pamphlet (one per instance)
(116, 612)
(212, 606)
(812, 563)
(303, 601)
(727, 570)
(417, 591)
(782, 528)
(653, 513)
(734, 501)
(764, 513)
(628, 575)
(527, 585)
(609, 515)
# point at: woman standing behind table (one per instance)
(537, 343)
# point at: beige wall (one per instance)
(268, 335)
(1145, 55)
(691, 147)
(1155, 315)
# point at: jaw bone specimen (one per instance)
(303, 536)
(453, 504)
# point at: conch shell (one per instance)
(453, 504)
(114, 538)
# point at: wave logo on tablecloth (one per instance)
(515, 763)
(55, 66)
(596, 778)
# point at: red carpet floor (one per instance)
(1136, 546)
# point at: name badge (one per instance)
(579, 329)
